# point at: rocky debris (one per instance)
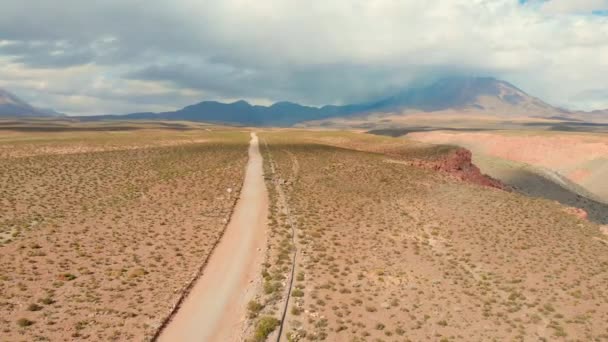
(459, 164)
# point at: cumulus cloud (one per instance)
(149, 55)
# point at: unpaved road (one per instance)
(215, 309)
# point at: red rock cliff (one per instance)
(458, 163)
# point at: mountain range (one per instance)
(483, 95)
(11, 105)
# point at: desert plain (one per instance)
(106, 228)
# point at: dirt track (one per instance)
(215, 309)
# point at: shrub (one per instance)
(254, 308)
(265, 326)
(34, 307)
(47, 301)
(295, 310)
(24, 322)
(270, 287)
(67, 276)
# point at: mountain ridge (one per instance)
(11, 105)
(485, 95)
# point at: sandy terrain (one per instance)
(391, 252)
(100, 244)
(215, 309)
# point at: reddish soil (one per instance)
(579, 175)
(551, 151)
(578, 212)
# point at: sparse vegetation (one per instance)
(102, 231)
(24, 322)
(254, 308)
(34, 307)
(108, 224)
(264, 327)
(434, 257)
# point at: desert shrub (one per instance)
(270, 287)
(254, 308)
(264, 327)
(67, 276)
(24, 322)
(47, 301)
(34, 307)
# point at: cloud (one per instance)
(170, 54)
(578, 6)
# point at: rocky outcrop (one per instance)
(458, 163)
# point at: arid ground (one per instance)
(389, 251)
(215, 309)
(106, 228)
(569, 167)
(103, 228)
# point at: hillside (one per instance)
(482, 93)
(12, 106)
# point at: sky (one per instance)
(116, 56)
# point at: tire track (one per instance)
(282, 198)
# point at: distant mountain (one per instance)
(596, 115)
(12, 106)
(240, 112)
(244, 113)
(484, 95)
(480, 93)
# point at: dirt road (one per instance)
(215, 309)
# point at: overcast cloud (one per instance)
(112, 56)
